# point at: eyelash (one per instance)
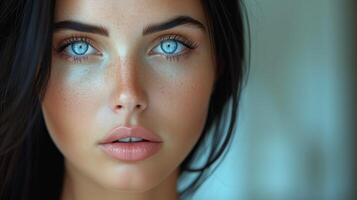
(71, 40)
(189, 44)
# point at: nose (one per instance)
(130, 103)
(129, 96)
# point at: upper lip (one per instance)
(130, 131)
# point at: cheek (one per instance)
(68, 107)
(183, 107)
(188, 104)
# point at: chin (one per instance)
(129, 182)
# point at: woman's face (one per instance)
(100, 75)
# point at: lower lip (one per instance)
(131, 151)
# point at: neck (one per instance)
(78, 187)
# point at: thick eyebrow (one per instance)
(180, 20)
(82, 27)
(78, 26)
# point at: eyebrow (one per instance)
(177, 21)
(78, 26)
(82, 27)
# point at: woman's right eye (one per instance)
(79, 49)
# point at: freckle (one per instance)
(161, 89)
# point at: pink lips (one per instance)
(131, 151)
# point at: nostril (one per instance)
(120, 106)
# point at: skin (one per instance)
(87, 98)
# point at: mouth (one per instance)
(131, 143)
(130, 135)
(130, 140)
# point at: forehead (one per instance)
(126, 13)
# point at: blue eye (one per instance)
(170, 47)
(174, 46)
(79, 49)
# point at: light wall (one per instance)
(295, 137)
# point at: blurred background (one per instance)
(296, 134)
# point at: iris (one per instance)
(80, 48)
(169, 46)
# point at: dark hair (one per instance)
(227, 33)
(26, 150)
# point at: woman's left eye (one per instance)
(171, 48)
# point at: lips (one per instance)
(137, 143)
(122, 132)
